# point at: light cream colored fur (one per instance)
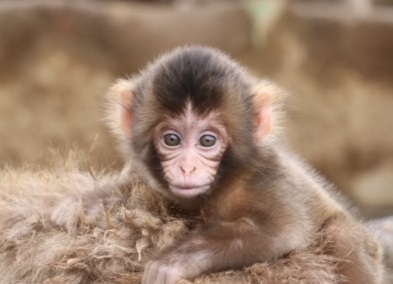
(113, 247)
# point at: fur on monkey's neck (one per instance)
(219, 203)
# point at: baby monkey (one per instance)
(200, 130)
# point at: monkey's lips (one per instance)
(189, 191)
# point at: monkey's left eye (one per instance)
(208, 140)
(172, 140)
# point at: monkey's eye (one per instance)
(172, 140)
(208, 140)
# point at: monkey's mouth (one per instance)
(188, 191)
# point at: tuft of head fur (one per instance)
(210, 81)
(114, 246)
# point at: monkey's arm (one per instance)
(87, 206)
(216, 247)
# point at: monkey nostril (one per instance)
(187, 170)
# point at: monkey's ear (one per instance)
(267, 97)
(120, 115)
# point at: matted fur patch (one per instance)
(111, 244)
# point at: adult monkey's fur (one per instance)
(113, 247)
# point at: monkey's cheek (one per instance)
(189, 192)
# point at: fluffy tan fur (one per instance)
(113, 247)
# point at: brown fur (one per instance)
(282, 204)
(113, 247)
(109, 209)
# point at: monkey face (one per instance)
(190, 149)
(191, 120)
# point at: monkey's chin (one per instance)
(189, 192)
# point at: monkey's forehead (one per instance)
(203, 76)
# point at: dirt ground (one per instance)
(57, 61)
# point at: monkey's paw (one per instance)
(158, 272)
(66, 213)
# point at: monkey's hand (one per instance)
(162, 272)
(86, 207)
(187, 259)
(198, 253)
(66, 213)
(71, 210)
(211, 248)
(175, 264)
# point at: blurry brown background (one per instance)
(57, 59)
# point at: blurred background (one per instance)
(58, 58)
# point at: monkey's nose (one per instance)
(188, 169)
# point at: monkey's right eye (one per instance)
(171, 140)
